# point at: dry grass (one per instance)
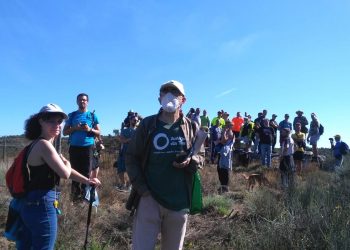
(313, 215)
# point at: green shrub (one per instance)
(221, 204)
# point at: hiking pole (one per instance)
(92, 199)
(57, 143)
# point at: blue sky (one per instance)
(233, 55)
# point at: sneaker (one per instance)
(222, 189)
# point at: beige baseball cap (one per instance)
(53, 108)
(172, 83)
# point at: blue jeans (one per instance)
(257, 147)
(266, 154)
(40, 220)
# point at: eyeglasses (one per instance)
(82, 99)
(54, 122)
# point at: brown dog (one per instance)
(255, 178)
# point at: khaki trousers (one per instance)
(151, 219)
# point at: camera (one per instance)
(181, 157)
(82, 124)
(331, 139)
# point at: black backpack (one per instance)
(321, 129)
(344, 148)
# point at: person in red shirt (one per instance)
(237, 123)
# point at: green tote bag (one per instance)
(197, 199)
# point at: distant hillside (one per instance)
(11, 145)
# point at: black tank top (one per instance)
(42, 177)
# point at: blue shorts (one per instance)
(314, 139)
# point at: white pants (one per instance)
(151, 219)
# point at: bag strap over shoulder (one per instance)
(31, 146)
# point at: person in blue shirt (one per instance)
(82, 127)
(225, 157)
(215, 136)
(125, 137)
(338, 151)
(284, 124)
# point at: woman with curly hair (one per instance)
(38, 209)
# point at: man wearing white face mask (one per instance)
(161, 179)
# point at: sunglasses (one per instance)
(172, 90)
(54, 122)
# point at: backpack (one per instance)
(344, 148)
(321, 129)
(17, 176)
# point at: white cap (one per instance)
(174, 84)
(53, 108)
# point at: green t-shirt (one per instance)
(205, 121)
(167, 183)
(221, 124)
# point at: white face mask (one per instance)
(170, 102)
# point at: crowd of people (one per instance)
(156, 163)
(258, 137)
